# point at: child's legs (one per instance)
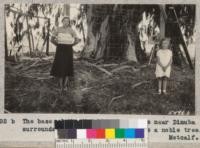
(164, 84)
(159, 84)
(142, 45)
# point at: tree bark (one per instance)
(5, 37)
(91, 41)
(131, 55)
(111, 39)
(83, 31)
(48, 29)
(28, 33)
(66, 10)
(96, 42)
(103, 38)
(32, 40)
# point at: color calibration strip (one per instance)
(110, 133)
(100, 129)
(101, 133)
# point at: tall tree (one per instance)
(112, 31)
(5, 34)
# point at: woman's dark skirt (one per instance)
(63, 61)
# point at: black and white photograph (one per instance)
(100, 58)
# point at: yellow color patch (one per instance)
(110, 133)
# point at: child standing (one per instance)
(163, 65)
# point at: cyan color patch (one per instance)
(129, 133)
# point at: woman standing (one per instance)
(64, 38)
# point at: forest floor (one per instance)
(112, 87)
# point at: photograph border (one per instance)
(197, 59)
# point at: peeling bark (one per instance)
(131, 55)
(102, 41)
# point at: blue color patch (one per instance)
(139, 133)
(129, 133)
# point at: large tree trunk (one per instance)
(66, 10)
(92, 39)
(32, 40)
(111, 32)
(102, 40)
(131, 54)
(5, 37)
(28, 34)
(47, 38)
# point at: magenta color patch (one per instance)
(91, 133)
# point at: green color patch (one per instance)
(119, 133)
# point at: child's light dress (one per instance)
(165, 55)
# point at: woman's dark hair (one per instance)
(65, 17)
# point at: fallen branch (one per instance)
(143, 66)
(114, 99)
(44, 78)
(99, 61)
(35, 66)
(121, 68)
(99, 68)
(37, 74)
(108, 65)
(95, 87)
(49, 58)
(86, 89)
(19, 66)
(37, 78)
(32, 65)
(138, 84)
(35, 63)
(25, 58)
(124, 63)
